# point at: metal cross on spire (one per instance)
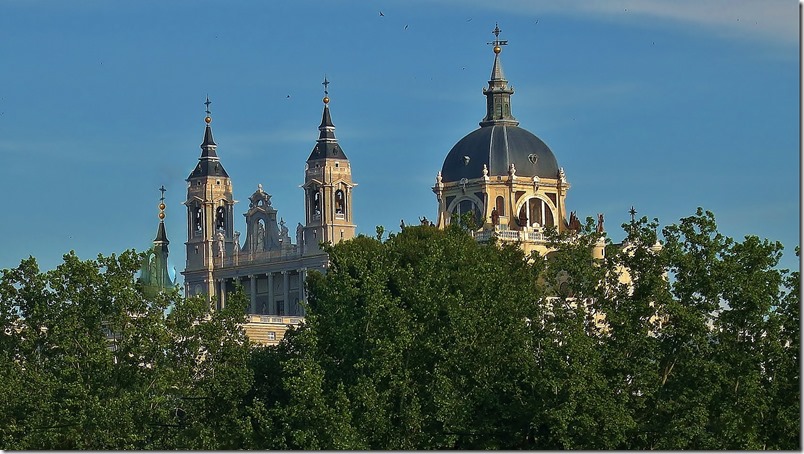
(162, 204)
(633, 213)
(325, 83)
(497, 41)
(207, 103)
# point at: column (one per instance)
(271, 302)
(302, 289)
(253, 293)
(286, 291)
(222, 293)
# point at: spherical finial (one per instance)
(161, 215)
(497, 49)
(326, 99)
(161, 206)
(208, 119)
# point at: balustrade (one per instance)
(510, 235)
(246, 258)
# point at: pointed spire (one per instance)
(209, 145)
(161, 236)
(498, 94)
(154, 272)
(326, 145)
(209, 163)
(497, 74)
(326, 128)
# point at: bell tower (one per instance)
(210, 207)
(327, 189)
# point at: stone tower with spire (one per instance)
(154, 274)
(210, 217)
(327, 189)
(501, 180)
(268, 266)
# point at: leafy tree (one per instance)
(425, 339)
(431, 340)
(416, 342)
(90, 362)
(714, 374)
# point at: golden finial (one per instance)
(162, 203)
(497, 41)
(326, 93)
(208, 118)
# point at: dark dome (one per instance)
(498, 146)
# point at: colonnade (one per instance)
(275, 302)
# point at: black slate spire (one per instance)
(208, 164)
(326, 128)
(327, 145)
(498, 94)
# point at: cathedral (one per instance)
(500, 179)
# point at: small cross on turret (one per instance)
(162, 203)
(207, 103)
(325, 83)
(497, 41)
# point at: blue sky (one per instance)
(665, 106)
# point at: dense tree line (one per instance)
(425, 339)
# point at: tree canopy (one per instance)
(422, 340)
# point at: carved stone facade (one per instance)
(269, 267)
(327, 190)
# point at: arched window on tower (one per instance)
(468, 213)
(500, 205)
(340, 204)
(315, 205)
(220, 218)
(197, 216)
(535, 212)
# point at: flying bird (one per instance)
(381, 14)
(406, 27)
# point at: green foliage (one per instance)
(438, 321)
(425, 339)
(90, 362)
(429, 340)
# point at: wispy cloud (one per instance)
(768, 20)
